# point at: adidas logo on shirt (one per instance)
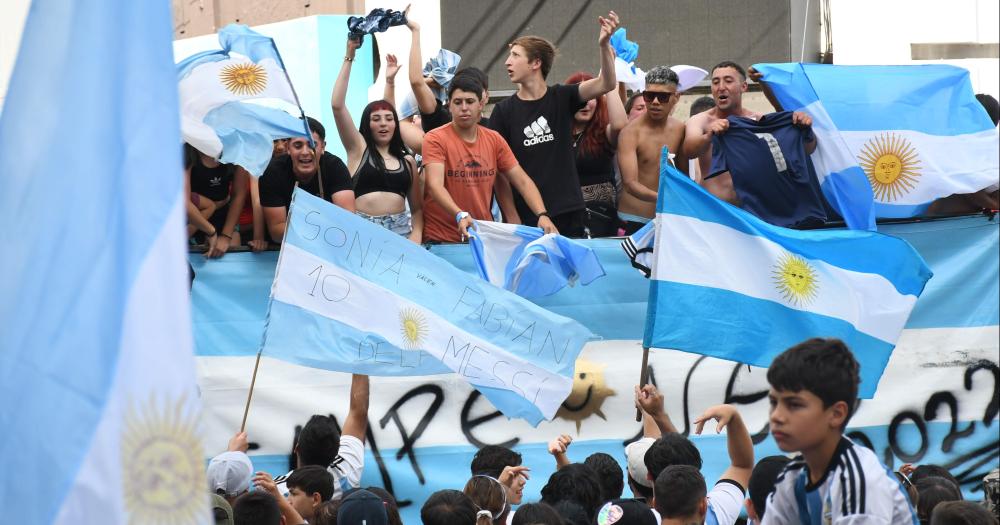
(538, 132)
(215, 181)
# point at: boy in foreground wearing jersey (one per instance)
(814, 389)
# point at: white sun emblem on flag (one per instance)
(795, 279)
(163, 471)
(413, 327)
(892, 166)
(244, 79)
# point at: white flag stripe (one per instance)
(204, 89)
(746, 264)
(946, 164)
(481, 363)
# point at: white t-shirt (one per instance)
(855, 489)
(346, 468)
(725, 502)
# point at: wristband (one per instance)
(348, 59)
(543, 213)
(460, 215)
(226, 236)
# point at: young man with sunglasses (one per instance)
(639, 147)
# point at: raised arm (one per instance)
(353, 142)
(426, 100)
(757, 77)
(738, 440)
(617, 118)
(605, 81)
(628, 165)
(391, 68)
(356, 423)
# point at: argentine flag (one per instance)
(727, 284)
(351, 296)
(529, 262)
(100, 412)
(916, 133)
(214, 87)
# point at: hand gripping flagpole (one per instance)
(643, 379)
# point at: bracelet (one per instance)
(543, 213)
(460, 215)
(226, 236)
(348, 59)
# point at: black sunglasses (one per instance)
(662, 96)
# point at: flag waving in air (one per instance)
(214, 89)
(351, 296)
(729, 285)
(100, 411)
(916, 133)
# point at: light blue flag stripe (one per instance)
(760, 329)
(91, 163)
(860, 251)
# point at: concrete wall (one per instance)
(202, 17)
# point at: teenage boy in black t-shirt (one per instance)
(537, 123)
(299, 165)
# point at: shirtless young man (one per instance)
(729, 82)
(639, 147)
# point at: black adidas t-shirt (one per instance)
(540, 132)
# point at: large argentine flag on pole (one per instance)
(214, 89)
(351, 296)
(727, 284)
(99, 411)
(916, 132)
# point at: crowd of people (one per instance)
(581, 158)
(825, 477)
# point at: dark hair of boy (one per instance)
(491, 459)
(933, 471)
(391, 507)
(762, 479)
(536, 514)
(931, 492)
(316, 127)
(466, 83)
(319, 441)
(671, 449)
(256, 508)
(476, 73)
(823, 367)
(631, 101)
(446, 507)
(571, 512)
(962, 513)
(575, 482)
(312, 479)
(610, 476)
(679, 491)
(701, 105)
(728, 63)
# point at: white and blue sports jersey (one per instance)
(725, 503)
(855, 489)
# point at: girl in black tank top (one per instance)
(376, 141)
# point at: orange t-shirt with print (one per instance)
(469, 171)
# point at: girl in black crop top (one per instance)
(384, 176)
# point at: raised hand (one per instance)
(721, 413)
(608, 27)
(649, 399)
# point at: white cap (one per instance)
(688, 76)
(229, 474)
(635, 455)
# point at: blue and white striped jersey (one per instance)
(855, 489)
